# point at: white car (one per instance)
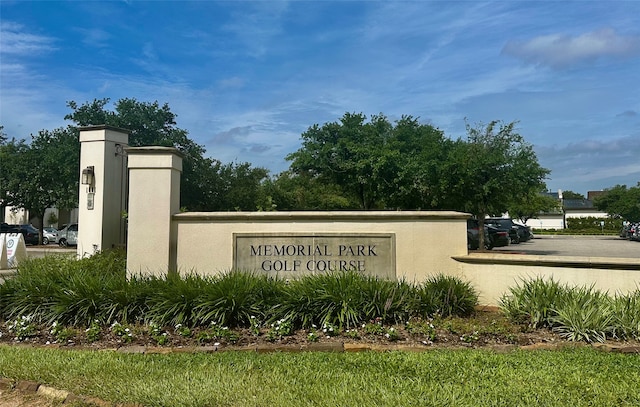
(68, 236)
(49, 235)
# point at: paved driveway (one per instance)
(587, 246)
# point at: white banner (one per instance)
(13, 250)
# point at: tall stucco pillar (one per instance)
(103, 189)
(154, 196)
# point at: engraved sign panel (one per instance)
(288, 255)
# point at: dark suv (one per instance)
(493, 237)
(517, 233)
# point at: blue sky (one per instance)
(247, 78)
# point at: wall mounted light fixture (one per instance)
(88, 176)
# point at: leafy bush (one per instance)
(332, 298)
(535, 302)
(233, 298)
(585, 315)
(625, 311)
(594, 225)
(59, 288)
(175, 299)
(576, 313)
(446, 296)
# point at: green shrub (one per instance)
(625, 310)
(584, 315)
(386, 299)
(233, 298)
(445, 296)
(534, 302)
(331, 298)
(175, 299)
(594, 225)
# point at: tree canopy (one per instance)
(203, 179)
(533, 205)
(376, 164)
(41, 174)
(351, 163)
(491, 170)
(621, 202)
(568, 194)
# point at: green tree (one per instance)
(417, 152)
(300, 191)
(347, 153)
(533, 205)
(492, 169)
(153, 124)
(621, 202)
(42, 174)
(239, 187)
(572, 195)
(377, 164)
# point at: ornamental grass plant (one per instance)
(82, 293)
(79, 292)
(534, 302)
(575, 313)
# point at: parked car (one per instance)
(473, 236)
(49, 235)
(524, 232)
(68, 236)
(634, 232)
(505, 224)
(625, 231)
(493, 237)
(30, 233)
(6, 228)
(498, 237)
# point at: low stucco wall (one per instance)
(425, 242)
(493, 274)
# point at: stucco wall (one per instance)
(492, 275)
(425, 241)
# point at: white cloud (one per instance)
(13, 40)
(94, 37)
(561, 50)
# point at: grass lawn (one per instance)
(573, 377)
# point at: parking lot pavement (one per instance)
(583, 246)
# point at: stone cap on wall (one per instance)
(155, 157)
(104, 132)
(327, 216)
(607, 263)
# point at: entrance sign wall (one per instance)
(406, 245)
(409, 245)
